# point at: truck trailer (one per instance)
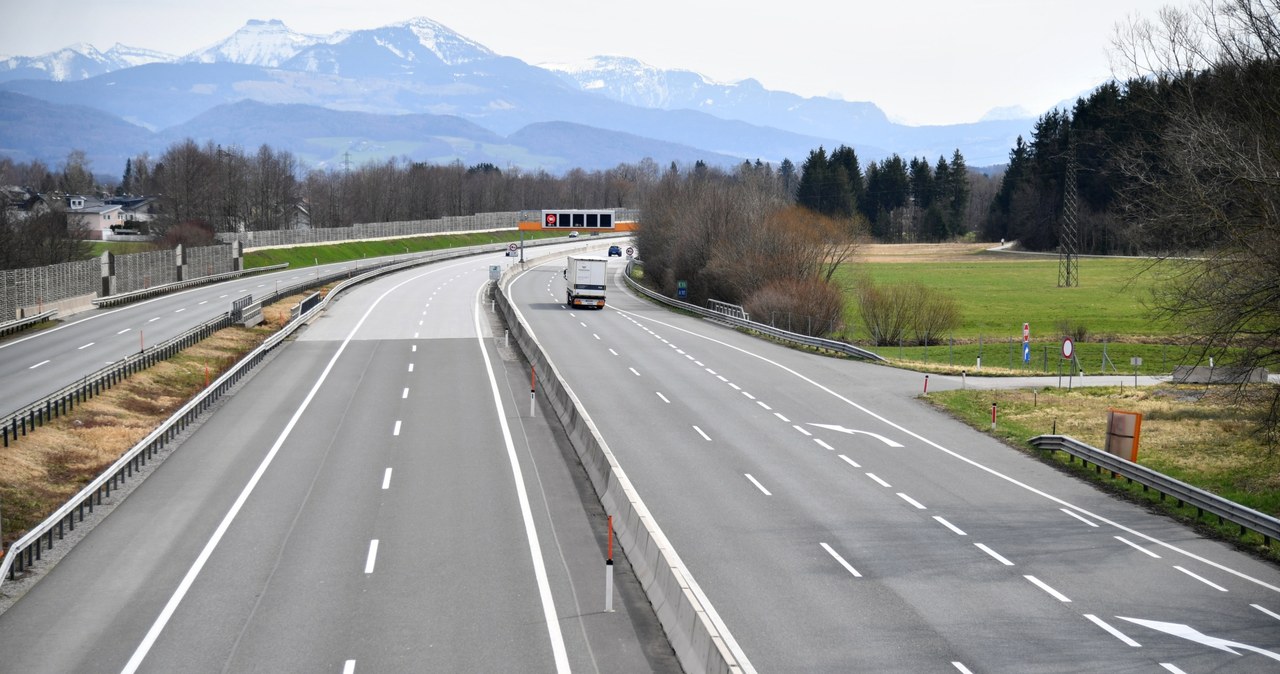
(584, 282)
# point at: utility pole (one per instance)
(1069, 236)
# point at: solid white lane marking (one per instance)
(779, 415)
(1172, 668)
(664, 398)
(802, 430)
(998, 557)
(757, 484)
(1077, 516)
(1270, 613)
(184, 586)
(823, 444)
(761, 403)
(86, 346)
(1137, 547)
(397, 429)
(950, 526)
(633, 371)
(877, 479)
(908, 499)
(1111, 630)
(1052, 592)
(349, 667)
(404, 394)
(43, 362)
(1202, 579)
(373, 556)
(748, 395)
(613, 352)
(549, 614)
(847, 566)
(961, 668)
(704, 435)
(411, 367)
(386, 479)
(124, 331)
(849, 461)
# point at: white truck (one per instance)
(584, 282)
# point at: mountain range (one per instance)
(421, 91)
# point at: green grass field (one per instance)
(308, 256)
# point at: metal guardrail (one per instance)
(123, 298)
(23, 323)
(1205, 502)
(777, 333)
(27, 549)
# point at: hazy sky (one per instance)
(921, 61)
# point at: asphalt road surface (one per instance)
(839, 524)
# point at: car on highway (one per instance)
(573, 235)
(615, 251)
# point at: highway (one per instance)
(836, 523)
(379, 496)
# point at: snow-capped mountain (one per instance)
(637, 83)
(419, 46)
(77, 62)
(257, 43)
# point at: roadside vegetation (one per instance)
(310, 256)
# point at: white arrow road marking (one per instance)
(842, 429)
(1192, 634)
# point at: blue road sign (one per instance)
(1026, 352)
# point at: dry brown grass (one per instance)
(41, 471)
(926, 252)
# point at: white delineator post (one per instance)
(608, 572)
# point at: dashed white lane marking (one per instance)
(748, 395)
(411, 367)
(223, 297)
(178, 311)
(386, 479)
(664, 398)
(202, 303)
(1137, 547)
(998, 557)
(86, 346)
(1172, 668)
(961, 668)
(582, 324)
(414, 348)
(757, 484)
(847, 566)
(1111, 630)
(950, 526)
(698, 363)
(415, 335)
(124, 331)
(1202, 579)
(405, 393)
(633, 371)
(721, 378)
(1082, 519)
(704, 435)
(373, 556)
(823, 444)
(875, 477)
(849, 461)
(154, 319)
(1270, 613)
(595, 335)
(1052, 592)
(613, 352)
(349, 667)
(396, 431)
(908, 499)
(798, 428)
(43, 362)
(784, 419)
(761, 403)
(710, 371)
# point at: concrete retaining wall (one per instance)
(701, 642)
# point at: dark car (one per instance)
(615, 251)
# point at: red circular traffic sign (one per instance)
(630, 251)
(1067, 347)
(551, 219)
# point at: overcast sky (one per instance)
(921, 61)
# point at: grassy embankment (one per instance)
(1192, 433)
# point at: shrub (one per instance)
(807, 306)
